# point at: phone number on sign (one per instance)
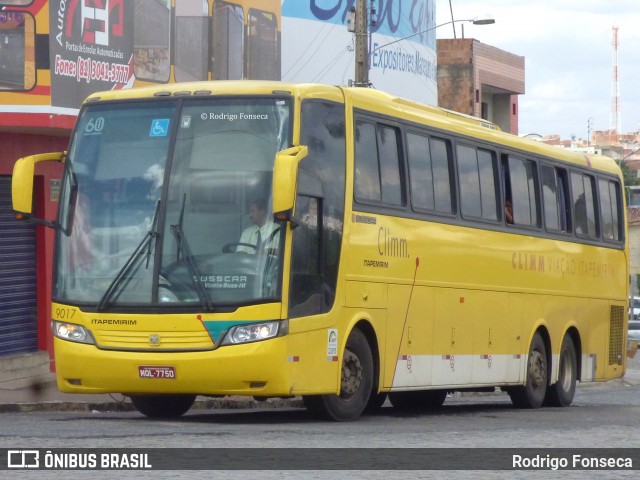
(88, 69)
(107, 72)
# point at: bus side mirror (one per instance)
(22, 181)
(285, 180)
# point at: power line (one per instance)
(323, 70)
(312, 56)
(309, 45)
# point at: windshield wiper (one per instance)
(194, 272)
(131, 261)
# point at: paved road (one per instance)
(603, 415)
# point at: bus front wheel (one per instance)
(561, 393)
(163, 406)
(356, 384)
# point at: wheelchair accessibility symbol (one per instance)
(159, 127)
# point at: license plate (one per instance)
(157, 372)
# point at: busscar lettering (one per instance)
(223, 281)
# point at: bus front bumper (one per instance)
(255, 369)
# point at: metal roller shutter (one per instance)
(18, 294)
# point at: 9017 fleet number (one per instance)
(157, 372)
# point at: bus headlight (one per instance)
(253, 332)
(72, 332)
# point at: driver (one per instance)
(260, 233)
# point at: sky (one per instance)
(567, 46)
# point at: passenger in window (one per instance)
(508, 211)
(261, 233)
(580, 215)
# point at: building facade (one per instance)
(480, 80)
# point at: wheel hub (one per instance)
(351, 375)
(537, 369)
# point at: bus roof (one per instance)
(372, 100)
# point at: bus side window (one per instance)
(319, 209)
(367, 174)
(522, 179)
(306, 296)
(556, 204)
(610, 209)
(390, 172)
(478, 193)
(506, 183)
(430, 173)
(565, 204)
(584, 213)
(378, 176)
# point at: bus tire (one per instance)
(533, 392)
(561, 393)
(418, 399)
(356, 384)
(163, 406)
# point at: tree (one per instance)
(629, 175)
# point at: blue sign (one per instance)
(396, 18)
(159, 127)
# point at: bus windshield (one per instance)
(169, 203)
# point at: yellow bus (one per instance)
(407, 252)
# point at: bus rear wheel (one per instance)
(356, 384)
(418, 400)
(533, 392)
(163, 406)
(561, 393)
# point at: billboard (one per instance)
(90, 48)
(317, 47)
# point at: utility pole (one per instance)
(362, 47)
